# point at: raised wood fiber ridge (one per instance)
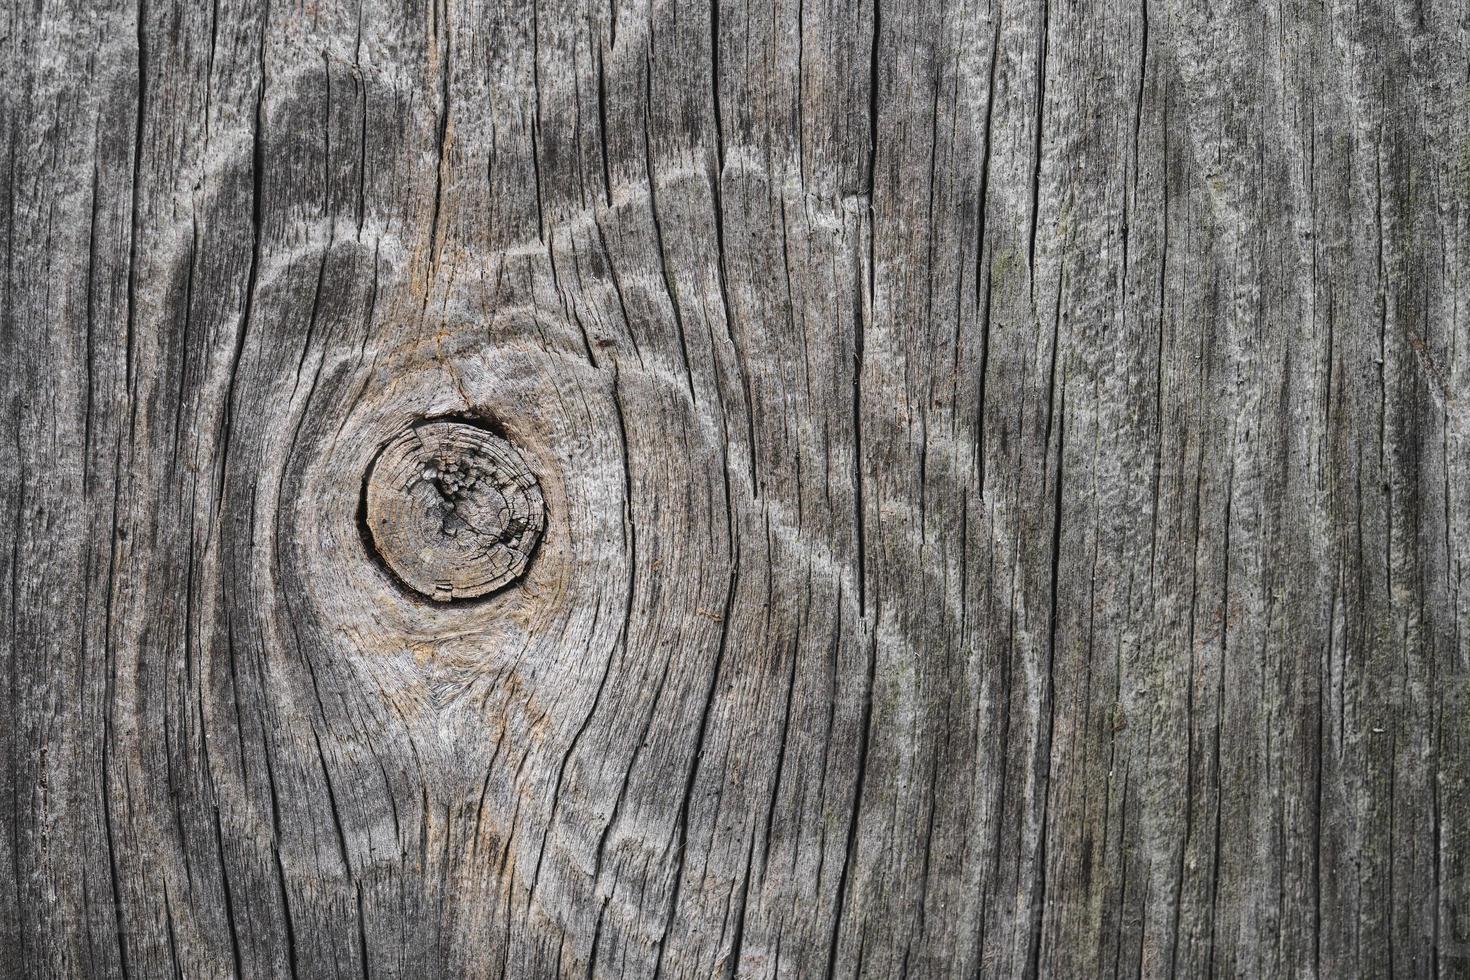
(1006, 480)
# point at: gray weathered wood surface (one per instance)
(1007, 471)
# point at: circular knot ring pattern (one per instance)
(453, 511)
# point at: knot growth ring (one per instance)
(452, 510)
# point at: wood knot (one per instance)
(452, 510)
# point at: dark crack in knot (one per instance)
(452, 510)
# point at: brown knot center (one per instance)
(453, 510)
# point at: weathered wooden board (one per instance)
(1006, 473)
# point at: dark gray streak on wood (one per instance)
(1006, 466)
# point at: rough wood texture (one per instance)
(1007, 471)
